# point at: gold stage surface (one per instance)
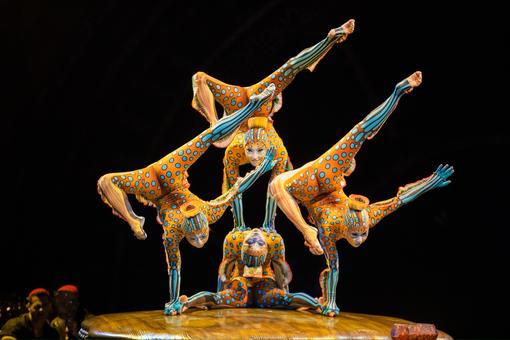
(240, 323)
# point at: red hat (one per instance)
(69, 288)
(38, 291)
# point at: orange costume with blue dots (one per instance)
(318, 186)
(208, 90)
(253, 273)
(164, 185)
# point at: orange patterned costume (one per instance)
(253, 273)
(318, 186)
(164, 185)
(208, 90)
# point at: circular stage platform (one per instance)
(239, 323)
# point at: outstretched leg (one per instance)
(236, 295)
(341, 155)
(199, 300)
(162, 176)
(306, 59)
(300, 300)
(268, 296)
(207, 89)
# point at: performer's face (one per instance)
(254, 248)
(255, 240)
(255, 151)
(197, 230)
(357, 227)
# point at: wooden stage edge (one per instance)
(240, 323)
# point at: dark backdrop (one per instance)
(100, 86)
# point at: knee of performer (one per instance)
(107, 179)
(242, 298)
(239, 292)
(198, 76)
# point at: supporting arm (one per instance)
(173, 258)
(329, 279)
(216, 207)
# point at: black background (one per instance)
(92, 87)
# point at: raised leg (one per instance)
(207, 89)
(306, 59)
(375, 120)
(310, 57)
(341, 155)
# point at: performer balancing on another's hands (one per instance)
(318, 186)
(164, 185)
(249, 143)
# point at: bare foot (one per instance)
(183, 299)
(312, 242)
(118, 201)
(414, 80)
(342, 32)
(348, 27)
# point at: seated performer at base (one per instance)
(207, 90)
(318, 186)
(164, 185)
(253, 273)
